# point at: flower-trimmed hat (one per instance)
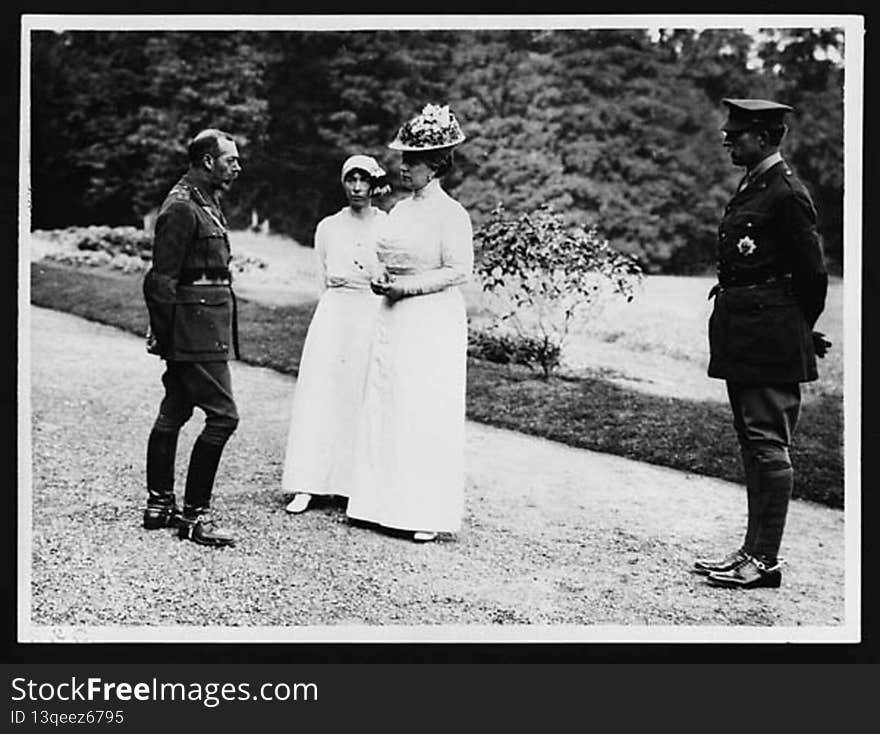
(435, 127)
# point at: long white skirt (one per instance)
(329, 393)
(409, 456)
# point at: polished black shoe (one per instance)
(201, 529)
(162, 517)
(705, 566)
(750, 574)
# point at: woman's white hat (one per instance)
(362, 163)
(433, 128)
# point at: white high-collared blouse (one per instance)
(427, 242)
(345, 246)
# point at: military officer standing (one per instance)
(771, 289)
(193, 328)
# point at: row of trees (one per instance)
(615, 129)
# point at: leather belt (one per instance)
(205, 276)
(210, 281)
(721, 288)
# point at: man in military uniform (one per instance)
(771, 289)
(188, 292)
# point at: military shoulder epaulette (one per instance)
(179, 192)
(792, 181)
(177, 195)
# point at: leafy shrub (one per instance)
(542, 272)
(496, 346)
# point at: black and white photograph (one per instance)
(440, 328)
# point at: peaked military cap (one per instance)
(743, 114)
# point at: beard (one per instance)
(223, 182)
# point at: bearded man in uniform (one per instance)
(188, 291)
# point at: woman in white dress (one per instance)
(409, 458)
(329, 387)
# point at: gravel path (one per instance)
(558, 543)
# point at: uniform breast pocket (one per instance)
(210, 245)
(202, 320)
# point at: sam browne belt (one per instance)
(205, 276)
(733, 284)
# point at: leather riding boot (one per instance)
(162, 510)
(198, 525)
(200, 475)
(775, 492)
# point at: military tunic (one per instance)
(771, 283)
(188, 289)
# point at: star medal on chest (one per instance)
(746, 246)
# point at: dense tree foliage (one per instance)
(111, 114)
(615, 129)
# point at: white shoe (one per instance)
(299, 503)
(422, 537)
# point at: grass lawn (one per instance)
(591, 413)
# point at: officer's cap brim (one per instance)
(744, 114)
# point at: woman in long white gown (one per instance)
(409, 457)
(329, 387)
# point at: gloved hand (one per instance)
(152, 343)
(820, 344)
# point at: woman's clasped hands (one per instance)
(384, 284)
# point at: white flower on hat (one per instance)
(437, 114)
